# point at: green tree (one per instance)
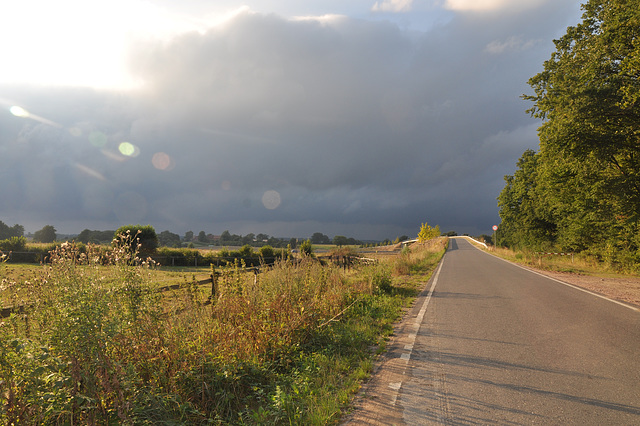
(169, 239)
(7, 232)
(320, 238)
(427, 232)
(45, 235)
(526, 220)
(144, 238)
(188, 236)
(202, 237)
(588, 96)
(293, 243)
(340, 240)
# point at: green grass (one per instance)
(579, 263)
(97, 344)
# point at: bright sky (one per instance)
(80, 42)
(362, 118)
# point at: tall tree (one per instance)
(525, 221)
(7, 232)
(45, 235)
(169, 239)
(588, 96)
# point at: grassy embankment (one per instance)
(577, 263)
(98, 344)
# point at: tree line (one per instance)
(170, 239)
(580, 191)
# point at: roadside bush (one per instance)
(13, 244)
(143, 239)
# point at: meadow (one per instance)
(94, 342)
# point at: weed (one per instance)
(94, 343)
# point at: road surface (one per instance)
(489, 342)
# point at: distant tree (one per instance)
(248, 239)
(202, 237)
(46, 235)
(8, 232)
(84, 236)
(320, 238)
(225, 237)
(169, 239)
(340, 240)
(96, 237)
(275, 242)
(144, 236)
(188, 236)
(403, 238)
(293, 243)
(262, 237)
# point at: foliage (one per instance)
(45, 235)
(95, 237)
(94, 344)
(13, 244)
(306, 248)
(427, 232)
(143, 239)
(7, 232)
(169, 239)
(581, 191)
(320, 238)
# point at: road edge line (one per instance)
(617, 302)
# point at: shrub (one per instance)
(14, 244)
(306, 248)
(144, 239)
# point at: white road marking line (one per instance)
(633, 308)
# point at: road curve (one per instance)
(489, 342)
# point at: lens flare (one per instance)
(19, 111)
(128, 149)
(271, 200)
(98, 139)
(162, 161)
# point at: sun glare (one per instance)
(76, 42)
(19, 111)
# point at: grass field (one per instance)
(97, 344)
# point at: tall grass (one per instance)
(94, 343)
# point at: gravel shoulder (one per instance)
(623, 289)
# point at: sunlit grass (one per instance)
(578, 263)
(96, 343)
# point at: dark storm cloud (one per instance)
(358, 126)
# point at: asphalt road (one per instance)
(489, 342)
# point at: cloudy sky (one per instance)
(362, 118)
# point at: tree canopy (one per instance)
(45, 235)
(7, 232)
(581, 191)
(144, 238)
